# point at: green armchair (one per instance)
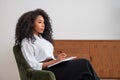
(26, 72)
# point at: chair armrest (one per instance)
(40, 75)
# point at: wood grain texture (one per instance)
(104, 55)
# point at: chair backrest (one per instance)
(21, 62)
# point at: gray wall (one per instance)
(71, 19)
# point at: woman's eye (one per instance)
(39, 22)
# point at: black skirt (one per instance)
(78, 69)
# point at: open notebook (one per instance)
(67, 59)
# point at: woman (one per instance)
(34, 35)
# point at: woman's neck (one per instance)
(35, 33)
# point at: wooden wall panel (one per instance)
(73, 48)
(103, 54)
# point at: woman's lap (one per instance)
(73, 70)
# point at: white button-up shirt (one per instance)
(37, 51)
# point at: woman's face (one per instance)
(39, 25)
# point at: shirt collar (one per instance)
(40, 37)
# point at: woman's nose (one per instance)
(43, 25)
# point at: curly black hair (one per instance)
(25, 24)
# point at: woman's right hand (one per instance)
(61, 56)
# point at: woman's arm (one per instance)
(60, 57)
